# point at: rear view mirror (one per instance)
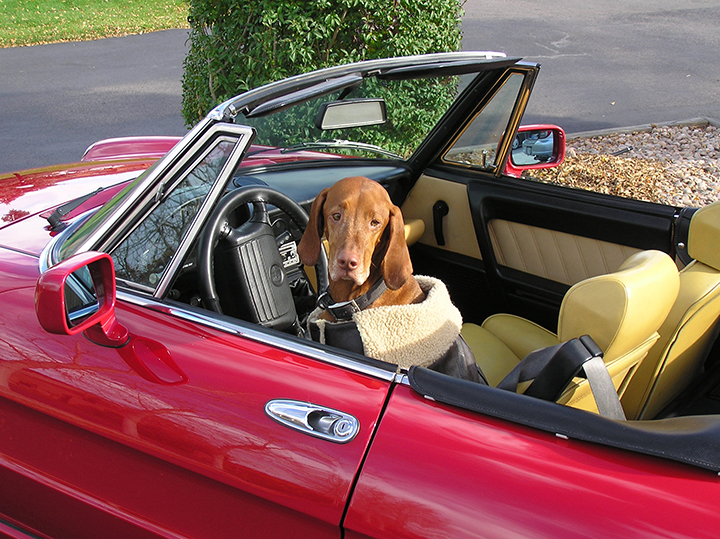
(534, 147)
(351, 113)
(78, 295)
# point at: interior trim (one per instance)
(457, 224)
(558, 256)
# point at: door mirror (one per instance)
(534, 147)
(78, 294)
(351, 113)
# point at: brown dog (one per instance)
(366, 240)
(366, 243)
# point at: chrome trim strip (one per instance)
(247, 332)
(46, 255)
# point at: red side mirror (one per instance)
(534, 147)
(78, 294)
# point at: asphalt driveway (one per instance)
(605, 64)
(56, 100)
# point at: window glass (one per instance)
(143, 256)
(478, 144)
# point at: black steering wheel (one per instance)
(248, 261)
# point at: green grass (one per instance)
(32, 22)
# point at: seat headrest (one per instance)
(704, 235)
(623, 309)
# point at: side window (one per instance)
(478, 144)
(145, 253)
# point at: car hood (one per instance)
(27, 198)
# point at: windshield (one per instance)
(371, 110)
(413, 107)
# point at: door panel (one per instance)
(92, 431)
(458, 263)
(68, 482)
(567, 228)
(557, 256)
(455, 224)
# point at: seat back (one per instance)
(622, 311)
(690, 328)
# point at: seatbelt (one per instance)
(552, 369)
(603, 390)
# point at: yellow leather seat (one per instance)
(690, 328)
(621, 311)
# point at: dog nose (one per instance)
(347, 261)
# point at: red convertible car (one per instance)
(156, 379)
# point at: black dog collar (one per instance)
(345, 309)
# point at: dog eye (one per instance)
(335, 216)
(374, 223)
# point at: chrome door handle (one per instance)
(314, 420)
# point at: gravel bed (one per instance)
(673, 164)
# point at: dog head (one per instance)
(363, 229)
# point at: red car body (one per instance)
(164, 432)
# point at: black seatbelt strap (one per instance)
(552, 369)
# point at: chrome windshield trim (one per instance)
(47, 260)
(161, 169)
(244, 136)
(247, 332)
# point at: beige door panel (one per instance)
(458, 228)
(553, 255)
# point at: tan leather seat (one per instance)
(621, 311)
(690, 328)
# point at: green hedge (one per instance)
(237, 45)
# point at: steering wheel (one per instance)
(256, 285)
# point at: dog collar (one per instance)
(345, 309)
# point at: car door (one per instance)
(506, 244)
(174, 434)
(199, 425)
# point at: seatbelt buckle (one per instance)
(592, 347)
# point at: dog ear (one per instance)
(396, 264)
(309, 247)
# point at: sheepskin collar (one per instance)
(416, 334)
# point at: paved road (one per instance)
(608, 63)
(56, 100)
(605, 64)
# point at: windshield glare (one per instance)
(413, 109)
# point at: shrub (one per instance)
(236, 45)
